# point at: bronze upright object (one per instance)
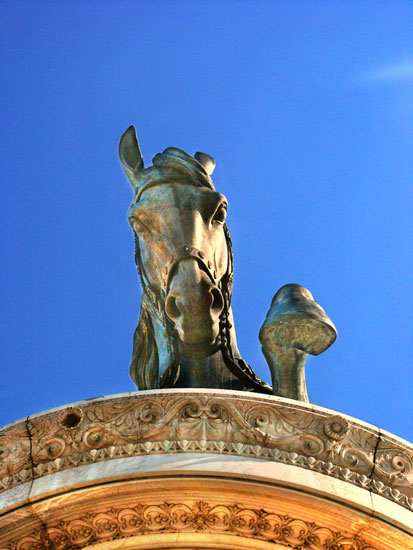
(295, 326)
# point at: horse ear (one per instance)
(130, 156)
(207, 162)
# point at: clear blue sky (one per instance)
(307, 108)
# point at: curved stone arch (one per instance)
(277, 450)
(188, 511)
(188, 541)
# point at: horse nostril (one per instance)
(217, 300)
(171, 308)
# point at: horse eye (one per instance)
(220, 215)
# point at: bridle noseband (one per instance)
(187, 253)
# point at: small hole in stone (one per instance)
(71, 420)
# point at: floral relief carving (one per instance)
(166, 517)
(266, 428)
(335, 427)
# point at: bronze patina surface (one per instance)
(185, 335)
(295, 327)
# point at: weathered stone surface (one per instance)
(200, 513)
(218, 422)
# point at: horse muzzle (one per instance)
(194, 304)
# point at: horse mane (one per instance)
(145, 361)
(174, 165)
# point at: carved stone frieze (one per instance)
(267, 428)
(15, 460)
(177, 517)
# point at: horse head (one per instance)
(185, 335)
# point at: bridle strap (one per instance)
(160, 181)
(190, 253)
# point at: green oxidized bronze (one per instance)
(295, 326)
(185, 336)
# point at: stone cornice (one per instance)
(221, 422)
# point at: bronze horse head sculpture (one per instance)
(185, 335)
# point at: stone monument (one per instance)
(205, 454)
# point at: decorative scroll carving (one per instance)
(265, 428)
(166, 517)
(15, 462)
